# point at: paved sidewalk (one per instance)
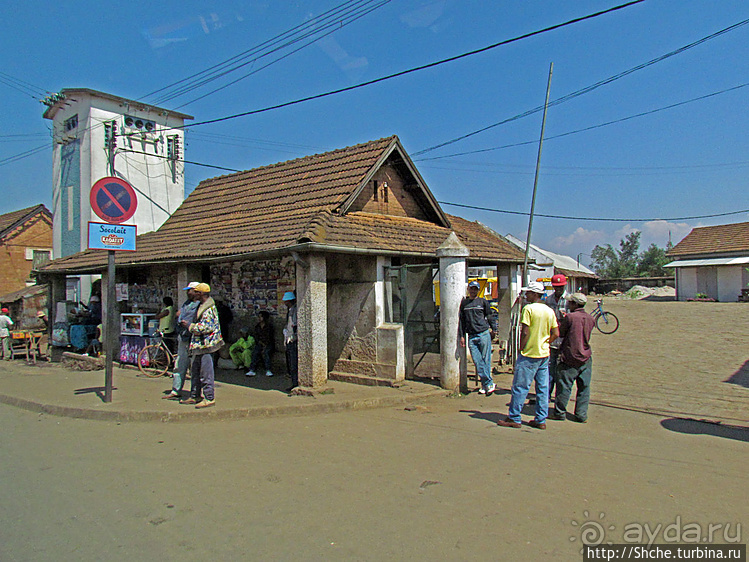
(57, 390)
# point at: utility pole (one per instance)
(535, 181)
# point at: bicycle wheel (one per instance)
(153, 361)
(607, 323)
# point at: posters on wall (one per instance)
(253, 285)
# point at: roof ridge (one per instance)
(308, 157)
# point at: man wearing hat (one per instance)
(185, 316)
(290, 337)
(5, 325)
(575, 360)
(205, 340)
(539, 327)
(476, 320)
(558, 303)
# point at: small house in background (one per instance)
(546, 264)
(25, 245)
(25, 305)
(712, 261)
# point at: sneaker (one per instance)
(490, 389)
(250, 373)
(557, 417)
(482, 390)
(171, 396)
(578, 419)
(188, 401)
(205, 403)
(268, 374)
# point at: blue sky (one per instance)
(685, 161)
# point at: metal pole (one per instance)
(535, 181)
(109, 328)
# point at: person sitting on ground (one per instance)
(264, 345)
(241, 350)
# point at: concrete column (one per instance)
(452, 255)
(312, 318)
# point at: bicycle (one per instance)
(606, 322)
(155, 359)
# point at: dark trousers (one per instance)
(292, 362)
(566, 377)
(201, 374)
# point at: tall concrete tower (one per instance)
(96, 135)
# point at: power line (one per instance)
(592, 218)
(418, 68)
(587, 89)
(23, 155)
(338, 25)
(606, 124)
(180, 160)
(337, 15)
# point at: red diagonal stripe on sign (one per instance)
(113, 199)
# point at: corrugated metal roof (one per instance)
(709, 261)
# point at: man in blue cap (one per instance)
(477, 320)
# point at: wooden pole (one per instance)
(535, 181)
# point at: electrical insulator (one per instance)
(113, 137)
(176, 148)
(107, 134)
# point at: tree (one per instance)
(652, 261)
(614, 264)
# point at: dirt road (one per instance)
(439, 482)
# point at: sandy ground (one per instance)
(440, 481)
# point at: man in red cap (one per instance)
(5, 325)
(558, 301)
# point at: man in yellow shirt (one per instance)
(539, 327)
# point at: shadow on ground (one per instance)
(492, 417)
(740, 377)
(698, 427)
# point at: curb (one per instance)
(214, 414)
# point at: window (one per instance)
(40, 257)
(71, 124)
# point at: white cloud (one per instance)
(579, 237)
(658, 232)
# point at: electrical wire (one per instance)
(418, 68)
(587, 89)
(316, 39)
(35, 92)
(576, 131)
(592, 218)
(22, 155)
(222, 69)
(181, 160)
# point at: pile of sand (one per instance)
(640, 292)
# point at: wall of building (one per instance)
(388, 194)
(729, 283)
(686, 283)
(16, 252)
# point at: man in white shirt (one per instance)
(5, 325)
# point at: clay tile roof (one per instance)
(299, 201)
(721, 239)
(9, 221)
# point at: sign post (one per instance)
(114, 201)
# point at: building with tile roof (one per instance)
(25, 244)
(350, 221)
(713, 261)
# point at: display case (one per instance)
(134, 324)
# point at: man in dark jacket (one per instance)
(477, 320)
(575, 360)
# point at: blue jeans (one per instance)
(259, 350)
(481, 352)
(553, 360)
(180, 367)
(566, 377)
(527, 370)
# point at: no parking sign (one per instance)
(113, 200)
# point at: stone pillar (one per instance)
(312, 318)
(452, 255)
